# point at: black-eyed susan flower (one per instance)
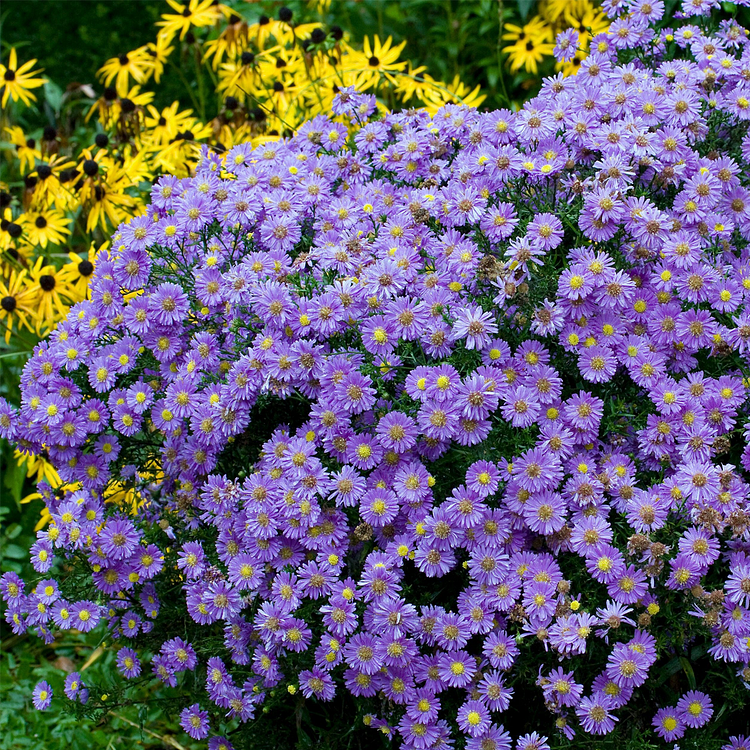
(112, 109)
(49, 187)
(26, 149)
(159, 52)
(41, 470)
(162, 126)
(231, 42)
(45, 227)
(435, 94)
(177, 156)
(530, 44)
(17, 302)
(121, 69)
(78, 272)
(17, 82)
(198, 13)
(53, 295)
(376, 59)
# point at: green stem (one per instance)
(184, 80)
(201, 93)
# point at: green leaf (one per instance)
(14, 479)
(53, 96)
(688, 669)
(14, 552)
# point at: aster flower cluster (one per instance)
(407, 413)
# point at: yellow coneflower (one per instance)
(18, 82)
(43, 227)
(198, 13)
(376, 59)
(232, 42)
(260, 33)
(120, 69)
(17, 303)
(531, 43)
(49, 187)
(411, 82)
(110, 107)
(53, 295)
(159, 51)
(241, 77)
(162, 127)
(553, 10)
(26, 149)
(435, 94)
(181, 154)
(588, 21)
(103, 192)
(108, 204)
(78, 272)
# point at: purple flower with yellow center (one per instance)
(594, 713)
(181, 655)
(695, 709)
(473, 718)
(533, 741)
(119, 539)
(684, 572)
(195, 721)
(475, 327)
(605, 563)
(627, 667)
(74, 688)
(545, 231)
(423, 706)
(317, 683)
(84, 616)
(493, 691)
(456, 668)
(128, 663)
(668, 724)
(738, 582)
(397, 431)
(521, 406)
(545, 512)
(560, 687)
(42, 695)
(362, 654)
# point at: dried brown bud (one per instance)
(363, 532)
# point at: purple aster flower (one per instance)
(195, 722)
(74, 688)
(84, 616)
(317, 683)
(695, 709)
(128, 663)
(560, 687)
(475, 326)
(42, 696)
(668, 724)
(457, 668)
(473, 718)
(595, 715)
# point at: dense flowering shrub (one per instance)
(438, 413)
(250, 77)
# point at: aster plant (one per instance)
(443, 413)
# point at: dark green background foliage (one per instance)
(72, 38)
